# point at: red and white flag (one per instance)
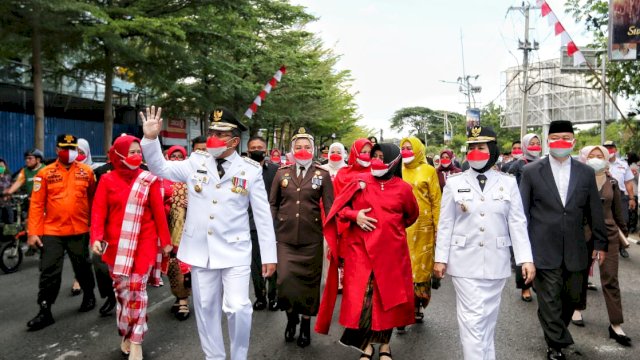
(552, 19)
(253, 108)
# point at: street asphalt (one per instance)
(89, 336)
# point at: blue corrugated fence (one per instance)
(16, 135)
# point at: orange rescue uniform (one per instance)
(61, 200)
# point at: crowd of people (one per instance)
(362, 224)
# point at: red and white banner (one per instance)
(552, 19)
(253, 108)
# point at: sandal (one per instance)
(175, 307)
(183, 312)
(368, 356)
(419, 317)
(385, 353)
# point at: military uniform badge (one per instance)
(239, 186)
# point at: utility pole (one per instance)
(526, 47)
(603, 121)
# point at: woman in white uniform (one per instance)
(481, 216)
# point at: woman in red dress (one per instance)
(372, 305)
(129, 229)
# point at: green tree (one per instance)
(622, 78)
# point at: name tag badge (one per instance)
(200, 171)
(464, 190)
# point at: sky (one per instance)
(399, 52)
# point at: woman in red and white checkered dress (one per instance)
(129, 228)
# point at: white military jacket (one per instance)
(477, 227)
(216, 232)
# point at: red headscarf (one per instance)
(175, 148)
(356, 148)
(120, 149)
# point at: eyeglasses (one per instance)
(220, 134)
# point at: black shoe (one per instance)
(623, 340)
(108, 305)
(624, 253)
(304, 339)
(591, 286)
(43, 319)
(401, 330)
(260, 304)
(88, 303)
(555, 354)
(579, 322)
(419, 317)
(290, 331)
(273, 305)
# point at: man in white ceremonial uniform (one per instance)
(481, 216)
(216, 241)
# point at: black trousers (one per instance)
(52, 260)
(558, 292)
(103, 278)
(263, 287)
(633, 218)
(582, 304)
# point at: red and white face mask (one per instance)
(534, 150)
(303, 157)
(560, 148)
(407, 156)
(517, 154)
(67, 156)
(81, 157)
(364, 160)
(215, 146)
(478, 159)
(445, 163)
(336, 158)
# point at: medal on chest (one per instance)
(316, 180)
(285, 180)
(239, 186)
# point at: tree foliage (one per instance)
(622, 76)
(193, 55)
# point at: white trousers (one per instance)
(478, 305)
(222, 290)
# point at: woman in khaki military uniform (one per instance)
(297, 193)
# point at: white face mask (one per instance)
(598, 165)
(407, 160)
(363, 163)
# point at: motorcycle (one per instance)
(11, 253)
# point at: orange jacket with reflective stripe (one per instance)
(61, 200)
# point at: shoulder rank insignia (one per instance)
(251, 162)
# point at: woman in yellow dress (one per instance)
(421, 236)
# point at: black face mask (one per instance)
(257, 155)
